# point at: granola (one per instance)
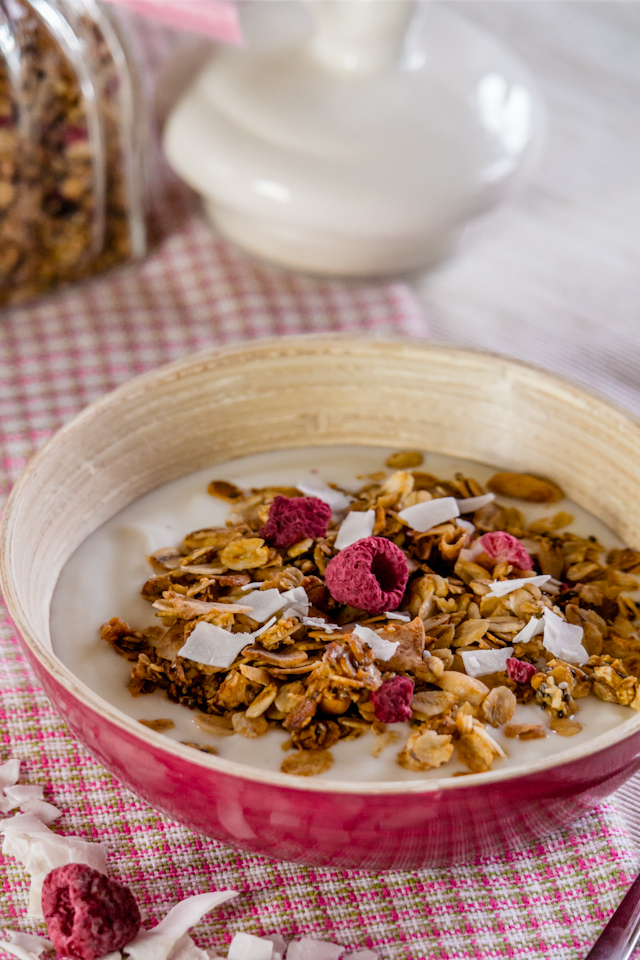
(493, 612)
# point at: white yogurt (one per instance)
(104, 576)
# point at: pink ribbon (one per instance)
(216, 18)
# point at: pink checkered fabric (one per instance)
(193, 292)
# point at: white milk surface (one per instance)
(104, 577)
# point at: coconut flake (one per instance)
(251, 586)
(25, 946)
(356, 526)
(477, 663)
(9, 773)
(24, 791)
(308, 949)
(40, 850)
(312, 487)
(213, 645)
(297, 601)
(552, 586)
(245, 946)
(45, 812)
(383, 649)
(534, 626)
(186, 949)
(500, 588)
(405, 617)
(471, 504)
(563, 640)
(264, 603)
(160, 941)
(319, 622)
(279, 944)
(423, 516)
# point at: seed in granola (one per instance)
(225, 491)
(370, 575)
(524, 731)
(307, 763)
(525, 486)
(292, 519)
(158, 725)
(392, 700)
(404, 460)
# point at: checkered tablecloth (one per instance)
(193, 292)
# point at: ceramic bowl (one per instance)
(296, 392)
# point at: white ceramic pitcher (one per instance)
(354, 137)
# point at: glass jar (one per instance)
(71, 146)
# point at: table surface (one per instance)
(555, 279)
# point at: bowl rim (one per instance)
(183, 368)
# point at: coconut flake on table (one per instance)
(500, 588)
(159, 942)
(337, 500)
(533, 627)
(186, 949)
(309, 949)
(423, 516)
(9, 773)
(39, 850)
(20, 792)
(477, 663)
(320, 623)
(214, 646)
(356, 526)
(245, 946)
(562, 639)
(471, 504)
(383, 649)
(297, 601)
(25, 946)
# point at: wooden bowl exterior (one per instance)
(294, 392)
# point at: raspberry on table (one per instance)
(370, 575)
(505, 548)
(520, 670)
(392, 700)
(292, 519)
(88, 915)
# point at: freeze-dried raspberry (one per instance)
(292, 519)
(370, 575)
(391, 701)
(87, 914)
(520, 670)
(503, 547)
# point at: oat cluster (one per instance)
(317, 677)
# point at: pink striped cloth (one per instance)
(549, 900)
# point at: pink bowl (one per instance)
(93, 467)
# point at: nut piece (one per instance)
(524, 486)
(307, 763)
